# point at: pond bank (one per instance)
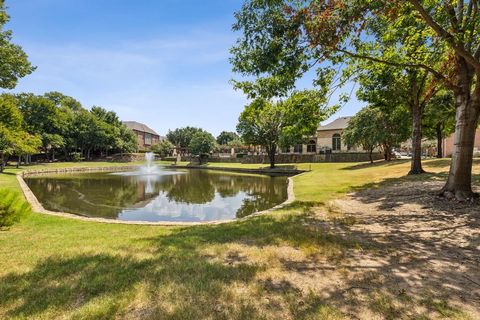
(38, 207)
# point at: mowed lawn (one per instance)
(53, 267)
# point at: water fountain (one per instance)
(150, 167)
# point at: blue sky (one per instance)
(161, 62)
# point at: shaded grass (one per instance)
(55, 267)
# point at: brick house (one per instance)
(146, 137)
(448, 144)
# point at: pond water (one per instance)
(175, 195)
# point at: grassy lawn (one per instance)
(54, 267)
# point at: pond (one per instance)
(175, 195)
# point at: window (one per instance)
(148, 139)
(285, 149)
(312, 146)
(336, 142)
(298, 148)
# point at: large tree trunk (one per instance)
(439, 132)
(370, 151)
(459, 183)
(416, 165)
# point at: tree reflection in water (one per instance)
(191, 195)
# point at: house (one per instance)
(449, 141)
(327, 139)
(146, 137)
(329, 136)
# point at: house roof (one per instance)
(134, 125)
(337, 124)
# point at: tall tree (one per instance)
(283, 39)
(391, 86)
(274, 124)
(181, 137)
(42, 118)
(14, 61)
(13, 137)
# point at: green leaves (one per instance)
(201, 143)
(181, 137)
(284, 123)
(373, 126)
(14, 61)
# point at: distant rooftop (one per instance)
(338, 124)
(134, 125)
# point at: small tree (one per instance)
(201, 144)
(282, 123)
(374, 126)
(361, 131)
(25, 144)
(164, 148)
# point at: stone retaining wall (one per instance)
(296, 158)
(77, 169)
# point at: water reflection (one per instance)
(194, 195)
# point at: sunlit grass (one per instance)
(53, 267)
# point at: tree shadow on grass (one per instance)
(427, 248)
(69, 284)
(180, 281)
(291, 228)
(380, 163)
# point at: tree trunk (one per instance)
(19, 161)
(370, 155)
(387, 152)
(416, 164)
(439, 133)
(459, 183)
(271, 155)
(2, 162)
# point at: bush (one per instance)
(12, 207)
(76, 156)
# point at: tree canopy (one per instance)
(14, 60)
(225, 137)
(282, 123)
(181, 137)
(202, 143)
(281, 40)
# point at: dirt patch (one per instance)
(425, 259)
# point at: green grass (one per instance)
(53, 267)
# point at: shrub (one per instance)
(76, 156)
(12, 207)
